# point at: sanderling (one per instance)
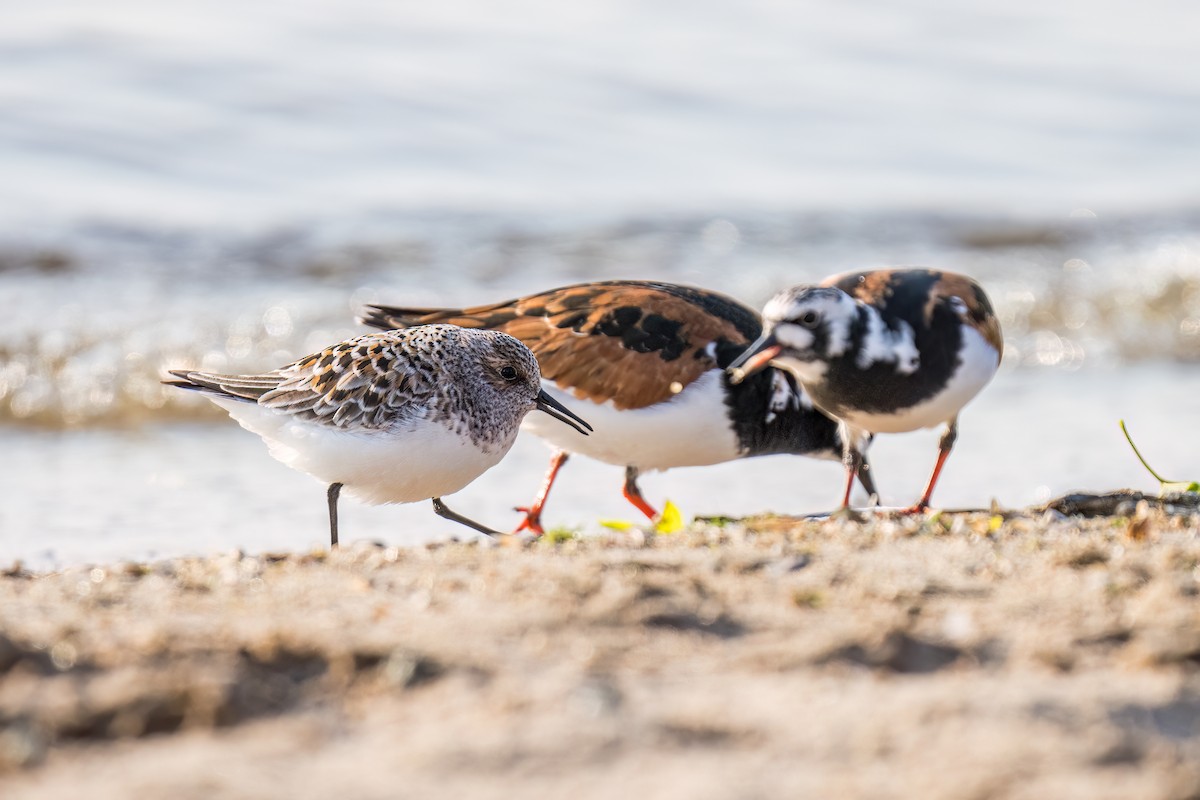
(884, 351)
(394, 417)
(648, 358)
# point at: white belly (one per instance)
(402, 466)
(979, 363)
(691, 429)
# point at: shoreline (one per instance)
(968, 654)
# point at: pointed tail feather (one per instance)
(237, 387)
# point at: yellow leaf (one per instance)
(995, 522)
(670, 520)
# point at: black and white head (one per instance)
(803, 329)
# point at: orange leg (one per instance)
(855, 461)
(533, 513)
(945, 444)
(634, 495)
(849, 486)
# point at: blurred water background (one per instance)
(222, 185)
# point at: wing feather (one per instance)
(366, 382)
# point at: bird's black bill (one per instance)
(560, 412)
(755, 358)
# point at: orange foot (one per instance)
(532, 521)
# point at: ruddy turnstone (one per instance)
(395, 417)
(884, 351)
(647, 357)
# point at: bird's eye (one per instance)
(509, 374)
(809, 319)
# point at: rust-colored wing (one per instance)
(635, 343)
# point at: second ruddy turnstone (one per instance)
(883, 351)
(647, 358)
(395, 417)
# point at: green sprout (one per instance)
(559, 535)
(1164, 484)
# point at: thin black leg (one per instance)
(334, 490)
(442, 510)
(868, 482)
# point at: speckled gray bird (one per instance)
(394, 417)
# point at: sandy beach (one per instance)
(225, 187)
(1023, 655)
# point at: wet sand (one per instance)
(975, 655)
